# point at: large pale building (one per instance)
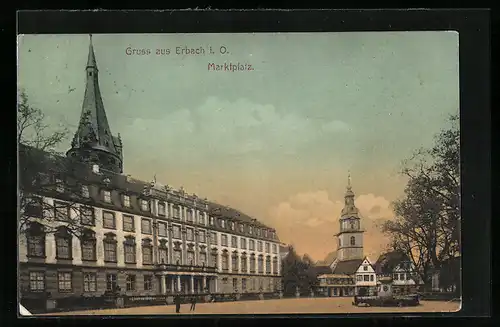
(112, 232)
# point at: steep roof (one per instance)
(321, 270)
(347, 267)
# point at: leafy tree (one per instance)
(427, 224)
(45, 172)
(297, 272)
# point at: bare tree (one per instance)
(427, 225)
(45, 172)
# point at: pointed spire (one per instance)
(91, 62)
(349, 179)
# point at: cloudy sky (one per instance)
(276, 142)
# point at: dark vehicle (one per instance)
(387, 301)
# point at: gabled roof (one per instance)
(322, 270)
(347, 267)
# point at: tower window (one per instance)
(90, 73)
(353, 240)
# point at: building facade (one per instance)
(115, 233)
(398, 268)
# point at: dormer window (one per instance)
(126, 201)
(211, 221)
(242, 228)
(144, 205)
(59, 185)
(85, 191)
(258, 232)
(265, 232)
(250, 230)
(223, 223)
(107, 196)
(232, 225)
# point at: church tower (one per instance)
(350, 237)
(93, 142)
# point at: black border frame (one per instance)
(473, 26)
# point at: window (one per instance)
(61, 211)
(85, 191)
(189, 234)
(201, 236)
(371, 278)
(260, 263)
(267, 247)
(275, 265)
(252, 263)
(234, 262)
(213, 259)
(190, 258)
(402, 276)
(353, 240)
(34, 208)
(161, 209)
(268, 265)
(145, 226)
(111, 282)
(265, 232)
(232, 225)
(223, 223)
(365, 268)
(225, 263)
(148, 282)
(189, 217)
(144, 205)
(88, 242)
(176, 212)
(243, 243)
(130, 282)
(63, 244)
(201, 218)
(250, 230)
(244, 267)
(366, 278)
(129, 249)
(243, 284)
(64, 281)
(275, 248)
(213, 238)
(242, 228)
(89, 282)
(163, 254)
(177, 231)
(128, 223)
(178, 257)
(147, 252)
(235, 283)
(259, 246)
(162, 229)
(359, 278)
(234, 242)
(87, 216)
(107, 196)
(223, 240)
(252, 245)
(59, 185)
(396, 276)
(108, 220)
(109, 248)
(203, 259)
(126, 201)
(211, 221)
(258, 231)
(36, 240)
(37, 281)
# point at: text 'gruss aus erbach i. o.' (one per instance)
(195, 51)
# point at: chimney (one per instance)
(95, 169)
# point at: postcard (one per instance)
(249, 173)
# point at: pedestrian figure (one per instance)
(193, 303)
(177, 301)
